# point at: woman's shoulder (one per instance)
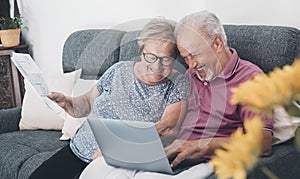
(120, 65)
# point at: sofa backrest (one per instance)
(96, 50)
(265, 46)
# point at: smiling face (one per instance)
(199, 53)
(156, 72)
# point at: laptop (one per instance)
(132, 145)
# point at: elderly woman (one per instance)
(147, 90)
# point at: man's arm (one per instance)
(267, 143)
(267, 131)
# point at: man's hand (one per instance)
(193, 149)
(182, 149)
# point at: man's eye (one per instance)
(196, 55)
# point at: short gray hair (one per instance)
(160, 29)
(206, 21)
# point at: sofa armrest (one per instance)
(9, 119)
(283, 163)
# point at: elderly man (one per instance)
(214, 69)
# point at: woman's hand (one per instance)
(59, 98)
(97, 154)
(63, 101)
(79, 106)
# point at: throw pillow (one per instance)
(284, 126)
(71, 125)
(35, 113)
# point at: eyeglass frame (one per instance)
(161, 59)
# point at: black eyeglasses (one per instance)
(151, 58)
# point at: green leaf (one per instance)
(297, 139)
(11, 23)
(292, 109)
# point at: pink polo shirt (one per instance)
(210, 113)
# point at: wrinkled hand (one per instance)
(97, 154)
(182, 149)
(164, 128)
(166, 132)
(59, 98)
(63, 101)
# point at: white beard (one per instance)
(209, 75)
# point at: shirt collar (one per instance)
(231, 66)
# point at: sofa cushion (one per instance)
(265, 46)
(282, 163)
(129, 47)
(70, 125)
(23, 151)
(9, 119)
(44, 117)
(92, 50)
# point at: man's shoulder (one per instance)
(247, 66)
(245, 70)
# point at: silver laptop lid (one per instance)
(130, 144)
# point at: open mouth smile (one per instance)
(200, 67)
(156, 71)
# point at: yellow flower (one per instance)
(296, 77)
(241, 153)
(261, 94)
(283, 81)
(265, 92)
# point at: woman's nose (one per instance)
(157, 64)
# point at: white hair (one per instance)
(207, 22)
(159, 29)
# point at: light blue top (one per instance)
(124, 96)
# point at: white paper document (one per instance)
(31, 72)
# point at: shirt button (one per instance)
(205, 83)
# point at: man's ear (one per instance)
(218, 43)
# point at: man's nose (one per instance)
(189, 60)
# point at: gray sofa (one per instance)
(21, 152)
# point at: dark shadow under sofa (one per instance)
(21, 152)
